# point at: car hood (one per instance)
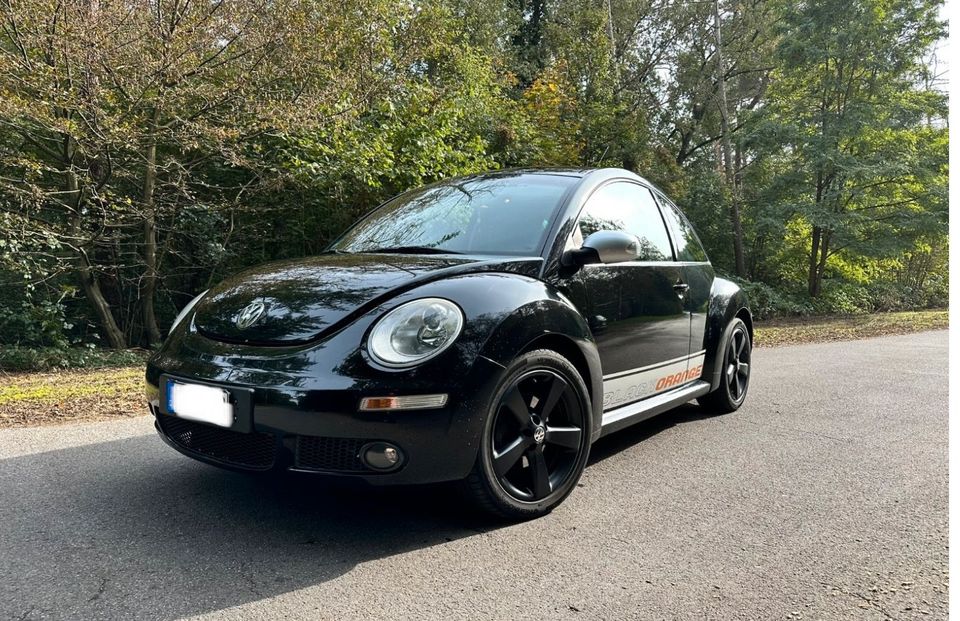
(298, 301)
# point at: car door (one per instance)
(697, 274)
(641, 327)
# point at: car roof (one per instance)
(586, 179)
(579, 173)
(562, 171)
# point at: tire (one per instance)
(536, 438)
(735, 371)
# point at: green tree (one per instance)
(117, 116)
(853, 115)
(148, 148)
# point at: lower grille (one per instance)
(250, 450)
(329, 454)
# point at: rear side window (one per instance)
(688, 244)
(631, 208)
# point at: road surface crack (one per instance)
(249, 579)
(793, 430)
(871, 602)
(100, 590)
(26, 614)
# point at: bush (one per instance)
(884, 296)
(936, 292)
(21, 359)
(767, 302)
(841, 298)
(888, 296)
(26, 322)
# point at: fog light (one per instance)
(381, 456)
(406, 402)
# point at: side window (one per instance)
(688, 244)
(631, 208)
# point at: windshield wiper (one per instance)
(412, 250)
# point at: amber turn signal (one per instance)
(406, 402)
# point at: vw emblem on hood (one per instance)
(251, 314)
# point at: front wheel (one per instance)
(735, 371)
(536, 438)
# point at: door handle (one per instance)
(681, 288)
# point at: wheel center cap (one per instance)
(539, 434)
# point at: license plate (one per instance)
(205, 404)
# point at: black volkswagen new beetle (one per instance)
(485, 329)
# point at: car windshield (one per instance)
(502, 214)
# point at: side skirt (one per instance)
(633, 413)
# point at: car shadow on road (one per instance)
(130, 529)
(609, 446)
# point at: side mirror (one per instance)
(606, 247)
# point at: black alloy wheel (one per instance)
(536, 439)
(734, 372)
(537, 435)
(737, 370)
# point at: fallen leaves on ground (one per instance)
(793, 331)
(28, 399)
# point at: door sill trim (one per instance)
(633, 413)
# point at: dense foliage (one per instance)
(149, 147)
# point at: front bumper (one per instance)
(322, 431)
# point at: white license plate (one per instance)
(205, 404)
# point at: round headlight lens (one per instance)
(415, 332)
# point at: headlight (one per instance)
(415, 332)
(186, 309)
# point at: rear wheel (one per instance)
(735, 371)
(536, 438)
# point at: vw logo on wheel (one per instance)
(251, 314)
(539, 434)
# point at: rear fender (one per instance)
(727, 301)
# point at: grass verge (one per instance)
(15, 359)
(797, 330)
(29, 399)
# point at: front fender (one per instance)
(727, 301)
(509, 314)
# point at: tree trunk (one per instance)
(813, 281)
(613, 52)
(150, 236)
(85, 272)
(738, 252)
(822, 263)
(817, 240)
(91, 289)
(728, 166)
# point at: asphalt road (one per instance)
(825, 497)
